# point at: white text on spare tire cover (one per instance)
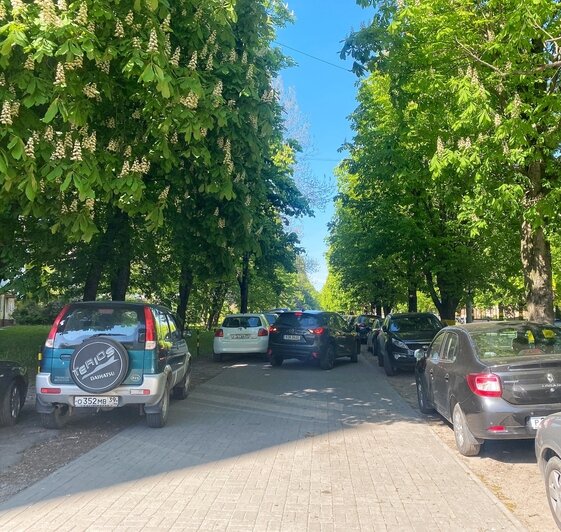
(98, 366)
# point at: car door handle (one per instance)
(446, 377)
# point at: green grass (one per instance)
(21, 343)
(205, 338)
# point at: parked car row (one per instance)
(304, 335)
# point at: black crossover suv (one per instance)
(312, 335)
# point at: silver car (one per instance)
(548, 453)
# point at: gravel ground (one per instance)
(28, 452)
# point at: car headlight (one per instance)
(400, 344)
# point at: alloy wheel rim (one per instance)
(555, 492)
(460, 427)
(15, 403)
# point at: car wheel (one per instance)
(157, 420)
(327, 358)
(424, 406)
(388, 368)
(10, 405)
(57, 418)
(217, 357)
(181, 391)
(553, 487)
(465, 440)
(276, 360)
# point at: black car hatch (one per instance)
(530, 381)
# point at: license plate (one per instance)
(92, 400)
(293, 337)
(240, 336)
(535, 421)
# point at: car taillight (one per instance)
(485, 384)
(50, 342)
(318, 330)
(273, 329)
(262, 332)
(150, 329)
(219, 333)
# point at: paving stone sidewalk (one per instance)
(262, 449)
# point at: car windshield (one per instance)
(411, 326)
(81, 323)
(517, 340)
(235, 322)
(288, 319)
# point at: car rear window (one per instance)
(81, 323)
(414, 324)
(287, 319)
(521, 340)
(234, 322)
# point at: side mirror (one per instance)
(420, 354)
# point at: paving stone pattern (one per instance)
(269, 449)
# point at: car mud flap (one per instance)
(43, 407)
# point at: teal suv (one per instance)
(106, 355)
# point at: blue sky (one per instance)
(325, 96)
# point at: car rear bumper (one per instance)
(310, 352)
(252, 346)
(514, 418)
(148, 393)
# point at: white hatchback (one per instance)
(241, 333)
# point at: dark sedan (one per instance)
(312, 335)
(402, 334)
(492, 381)
(13, 390)
(548, 453)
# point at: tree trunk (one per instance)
(217, 301)
(447, 302)
(99, 259)
(378, 309)
(469, 307)
(122, 256)
(387, 309)
(185, 285)
(243, 281)
(412, 298)
(535, 252)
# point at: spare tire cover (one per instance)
(99, 365)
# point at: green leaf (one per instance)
(51, 111)
(148, 74)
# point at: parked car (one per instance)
(241, 333)
(401, 334)
(112, 354)
(372, 336)
(363, 325)
(548, 454)
(312, 335)
(13, 391)
(492, 381)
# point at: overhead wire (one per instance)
(313, 57)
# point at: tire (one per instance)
(57, 418)
(181, 391)
(465, 440)
(217, 357)
(552, 478)
(388, 368)
(424, 404)
(327, 359)
(10, 405)
(86, 361)
(276, 361)
(157, 420)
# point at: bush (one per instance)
(33, 313)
